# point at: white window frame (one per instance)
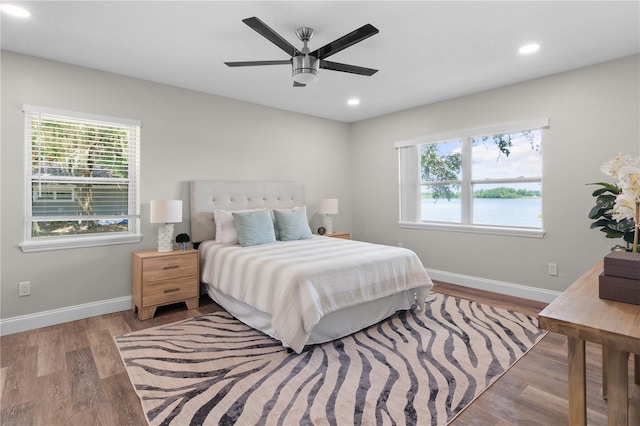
(44, 243)
(410, 181)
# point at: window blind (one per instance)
(409, 166)
(81, 173)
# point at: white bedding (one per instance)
(297, 283)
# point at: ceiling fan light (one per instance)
(305, 69)
(305, 76)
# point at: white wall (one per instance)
(594, 113)
(185, 135)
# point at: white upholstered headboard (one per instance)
(206, 196)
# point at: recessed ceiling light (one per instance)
(15, 11)
(529, 48)
(353, 102)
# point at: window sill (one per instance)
(63, 243)
(493, 230)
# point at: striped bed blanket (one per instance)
(299, 282)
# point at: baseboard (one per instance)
(59, 316)
(87, 310)
(526, 292)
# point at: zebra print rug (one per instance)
(412, 368)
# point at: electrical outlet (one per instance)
(24, 288)
(400, 244)
(553, 269)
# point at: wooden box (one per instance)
(622, 264)
(619, 289)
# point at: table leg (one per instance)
(634, 398)
(577, 383)
(604, 372)
(617, 388)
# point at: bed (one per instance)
(301, 291)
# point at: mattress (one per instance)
(287, 288)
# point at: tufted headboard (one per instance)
(206, 196)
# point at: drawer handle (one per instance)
(171, 290)
(166, 268)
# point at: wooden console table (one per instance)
(582, 316)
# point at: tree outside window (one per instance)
(488, 181)
(83, 175)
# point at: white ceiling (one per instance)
(426, 51)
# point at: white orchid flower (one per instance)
(629, 180)
(613, 167)
(625, 207)
(626, 170)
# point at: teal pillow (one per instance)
(254, 227)
(292, 224)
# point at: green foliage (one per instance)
(502, 141)
(182, 238)
(503, 192)
(601, 213)
(436, 167)
(70, 149)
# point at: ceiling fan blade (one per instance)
(335, 66)
(343, 42)
(296, 84)
(257, 63)
(275, 38)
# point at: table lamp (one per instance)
(326, 208)
(167, 212)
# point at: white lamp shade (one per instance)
(328, 206)
(166, 211)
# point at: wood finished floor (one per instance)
(72, 374)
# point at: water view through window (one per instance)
(517, 212)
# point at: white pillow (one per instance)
(225, 229)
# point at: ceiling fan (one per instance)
(305, 64)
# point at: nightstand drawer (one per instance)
(167, 267)
(167, 291)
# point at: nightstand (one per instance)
(344, 235)
(162, 278)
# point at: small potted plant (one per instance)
(182, 240)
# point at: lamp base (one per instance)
(165, 237)
(327, 223)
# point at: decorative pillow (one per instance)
(254, 227)
(292, 224)
(225, 229)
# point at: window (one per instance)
(479, 180)
(81, 186)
